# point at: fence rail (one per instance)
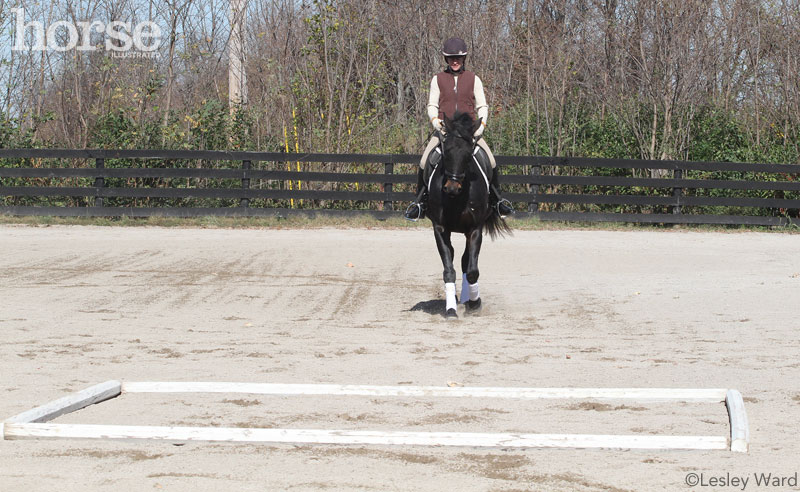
(550, 188)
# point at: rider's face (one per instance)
(455, 62)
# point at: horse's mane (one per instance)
(462, 124)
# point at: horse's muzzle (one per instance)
(452, 184)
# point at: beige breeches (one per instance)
(435, 141)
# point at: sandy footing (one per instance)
(81, 305)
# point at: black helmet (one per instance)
(454, 47)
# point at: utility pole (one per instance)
(237, 81)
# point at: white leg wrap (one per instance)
(464, 289)
(474, 293)
(450, 295)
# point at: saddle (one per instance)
(435, 157)
(483, 159)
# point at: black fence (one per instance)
(141, 183)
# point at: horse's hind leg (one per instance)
(445, 248)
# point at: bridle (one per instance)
(458, 178)
(455, 177)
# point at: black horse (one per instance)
(458, 201)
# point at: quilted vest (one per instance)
(456, 94)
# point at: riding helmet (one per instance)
(454, 47)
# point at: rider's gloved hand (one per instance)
(438, 124)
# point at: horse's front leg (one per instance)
(470, 295)
(445, 248)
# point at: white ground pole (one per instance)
(740, 429)
(70, 403)
(30, 424)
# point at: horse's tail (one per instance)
(495, 226)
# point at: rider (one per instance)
(445, 99)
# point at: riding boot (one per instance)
(502, 206)
(416, 210)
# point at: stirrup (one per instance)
(414, 212)
(504, 208)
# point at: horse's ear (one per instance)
(448, 124)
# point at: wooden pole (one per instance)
(76, 401)
(677, 193)
(388, 169)
(245, 202)
(99, 182)
(533, 205)
(740, 429)
(651, 394)
(237, 82)
(322, 436)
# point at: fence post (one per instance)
(533, 205)
(677, 193)
(387, 187)
(99, 181)
(244, 202)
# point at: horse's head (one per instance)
(457, 147)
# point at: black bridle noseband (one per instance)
(457, 178)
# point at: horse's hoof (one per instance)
(451, 314)
(473, 307)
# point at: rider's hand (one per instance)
(437, 124)
(479, 131)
